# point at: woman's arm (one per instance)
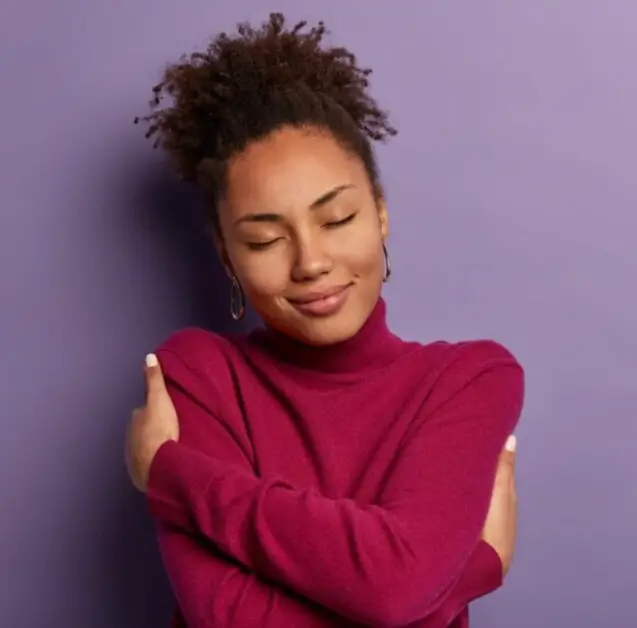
(389, 564)
(211, 589)
(212, 592)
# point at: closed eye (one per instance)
(261, 246)
(340, 223)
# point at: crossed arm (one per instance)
(413, 557)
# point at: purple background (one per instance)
(512, 191)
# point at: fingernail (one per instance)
(511, 443)
(151, 360)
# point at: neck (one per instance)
(372, 347)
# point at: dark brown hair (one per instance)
(243, 87)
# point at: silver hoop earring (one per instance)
(387, 273)
(237, 300)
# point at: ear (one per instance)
(222, 252)
(383, 218)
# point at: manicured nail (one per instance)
(511, 443)
(151, 360)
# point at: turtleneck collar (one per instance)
(371, 348)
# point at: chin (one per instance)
(326, 331)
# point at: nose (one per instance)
(311, 261)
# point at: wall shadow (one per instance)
(173, 215)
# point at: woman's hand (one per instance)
(501, 524)
(150, 426)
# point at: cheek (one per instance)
(262, 275)
(360, 251)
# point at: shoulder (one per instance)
(463, 359)
(472, 357)
(453, 368)
(200, 361)
(197, 346)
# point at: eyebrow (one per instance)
(322, 200)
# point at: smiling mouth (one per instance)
(318, 296)
(323, 303)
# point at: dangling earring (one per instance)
(237, 300)
(387, 273)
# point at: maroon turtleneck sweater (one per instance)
(335, 486)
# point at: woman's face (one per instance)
(302, 232)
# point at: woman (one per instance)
(318, 471)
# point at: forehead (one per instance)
(289, 169)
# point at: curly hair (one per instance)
(243, 87)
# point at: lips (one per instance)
(318, 296)
(323, 303)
